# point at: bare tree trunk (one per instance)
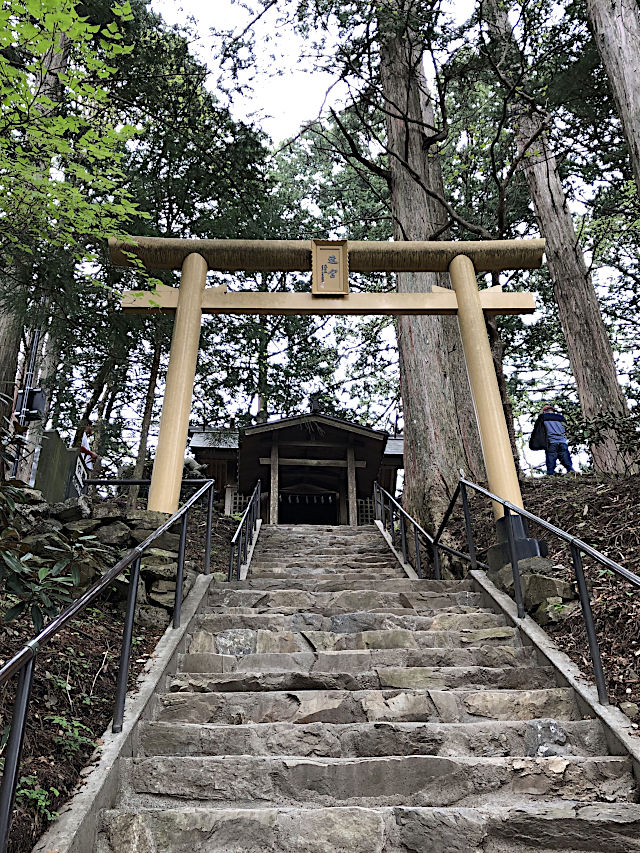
(441, 434)
(98, 386)
(497, 352)
(616, 30)
(10, 334)
(146, 423)
(588, 344)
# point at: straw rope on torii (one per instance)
(463, 260)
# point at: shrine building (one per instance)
(313, 468)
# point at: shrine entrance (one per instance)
(330, 263)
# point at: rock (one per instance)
(38, 543)
(545, 737)
(32, 496)
(83, 527)
(108, 511)
(73, 509)
(553, 610)
(537, 588)
(117, 533)
(146, 518)
(165, 572)
(158, 557)
(121, 585)
(631, 709)
(166, 541)
(162, 592)
(150, 616)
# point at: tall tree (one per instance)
(440, 429)
(616, 31)
(588, 345)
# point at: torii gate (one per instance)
(331, 262)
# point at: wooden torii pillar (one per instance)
(463, 261)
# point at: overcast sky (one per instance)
(284, 101)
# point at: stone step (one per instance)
(361, 706)
(357, 661)
(362, 557)
(403, 678)
(543, 737)
(287, 571)
(416, 780)
(242, 641)
(346, 601)
(332, 583)
(530, 828)
(352, 622)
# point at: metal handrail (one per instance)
(244, 536)
(386, 505)
(569, 538)
(24, 660)
(577, 546)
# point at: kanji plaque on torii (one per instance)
(462, 260)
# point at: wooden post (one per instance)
(164, 492)
(351, 487)
(343, 517)
(273, 493)
(494, 436)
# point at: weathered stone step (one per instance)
(417, 780)
(332, 583)
(362, 557)
(284, 570)
(346, 601)
(543, 737)
(530, 828)
(404, 678)
(357, 661)
(360, 706)
(242, 641)
(351, 622)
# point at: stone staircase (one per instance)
(329, 703)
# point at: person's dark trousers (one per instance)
(561, 452)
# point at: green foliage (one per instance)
(29, 790)
(42, 585)
(60, 184)
(71, 737)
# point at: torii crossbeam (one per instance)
(463, 260)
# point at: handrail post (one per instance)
(231, 560)
(246, 539)
(416, 544)
(177, 606)
(125, 650)
(239, 555)
(467, 524)
(587, 614)
(517, 588)
(207, 547)
(14, 751)
(436, 562)
(403, 537)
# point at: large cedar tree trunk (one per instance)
(588, 344)
(146, 422)
(441, 434)
(616, 30)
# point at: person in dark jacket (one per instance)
(550, 434)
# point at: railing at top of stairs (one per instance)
(244, 536)
(23, 662)
(396, 520)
